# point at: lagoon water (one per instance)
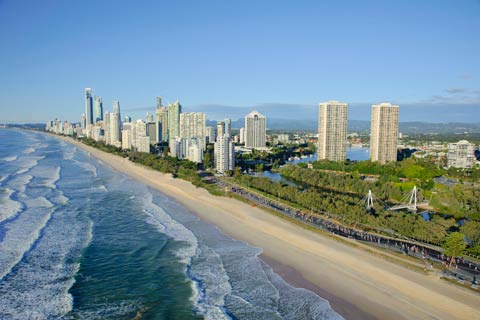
(79, 240)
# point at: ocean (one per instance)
(79, 240)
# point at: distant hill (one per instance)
(364, 126)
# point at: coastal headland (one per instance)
(358, 285)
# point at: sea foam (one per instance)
(8, 207)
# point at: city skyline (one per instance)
(276, 58)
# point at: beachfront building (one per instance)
(106, 127)
(152, 132)
(461, 155)
(332, 131)
(255, 130)
(97, 109)
(194, 150)
(127, 136)
(149, 118)
(115, 133)
(193, 125)
(224, 151)
(161, 121)
(384, 133)
(88, 107)
(140, 139)
(174, 111)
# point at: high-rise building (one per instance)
(161, 121)
(228, 126)
(88, 106)
(84, 121)
(152, 132)
(127, 136)
(210, 134)
(97, 109)
(149, 118)
(224, 151)
(115, 125)
(242, 136)
(461, 155)
(384, 133)
(193, 125)
(332, 131)
(255, 130)
(174, 111)
(220, 128)
(140, 140)
(106, 127)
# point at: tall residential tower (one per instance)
(255, 130)
(97, 109)
(174, 111)
(88, 107)
(384, 133)
(332, 131)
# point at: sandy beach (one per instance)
(358, 284)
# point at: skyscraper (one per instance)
(115, 125)
(149, 118)
(224, 151)
(210, 134)
(161, 121)
(97, 109)
(174, 111)
(220, 128)
(384, 133)
(193, 125)
(332, 131)
(228, 126)
(241, 139)
(152, 132)
(255, 130)
(88, 107)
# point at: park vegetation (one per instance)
(339, 190)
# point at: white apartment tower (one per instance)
(224, 154)
(220, 128)
(255, 130)
(115, 125)
(384, 133)
(193, 125)
(461, 155)
(242, 136)
(332, 131)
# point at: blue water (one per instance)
(79, 240)
(353, 153)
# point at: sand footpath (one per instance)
(358, 284)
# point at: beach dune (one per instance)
(358, 284)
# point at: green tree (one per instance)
(454, 245)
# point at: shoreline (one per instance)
(357, 284)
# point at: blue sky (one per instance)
(236, 54)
